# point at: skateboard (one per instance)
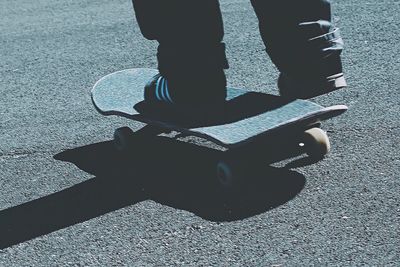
(247, 121)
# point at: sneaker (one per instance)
(159, 91)
(156, 91)
(305, 89)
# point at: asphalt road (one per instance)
(67, 199)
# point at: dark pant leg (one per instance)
(299, 36)
(190, 34)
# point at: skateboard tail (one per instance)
(121, 89)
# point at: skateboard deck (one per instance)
(245, 117)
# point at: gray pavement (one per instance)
(67, 199)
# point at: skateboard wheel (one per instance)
(316, 143)
(122, 138)
(228, 175)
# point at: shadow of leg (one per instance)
(76, 204)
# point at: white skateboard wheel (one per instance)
(316, 143)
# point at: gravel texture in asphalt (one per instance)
(68, 199)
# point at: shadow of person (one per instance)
(173, 173)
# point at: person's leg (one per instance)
(303, 43)
(191, 55)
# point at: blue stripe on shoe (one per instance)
(163, 98)
(161, 90)
(157, 88)
(167, 92)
